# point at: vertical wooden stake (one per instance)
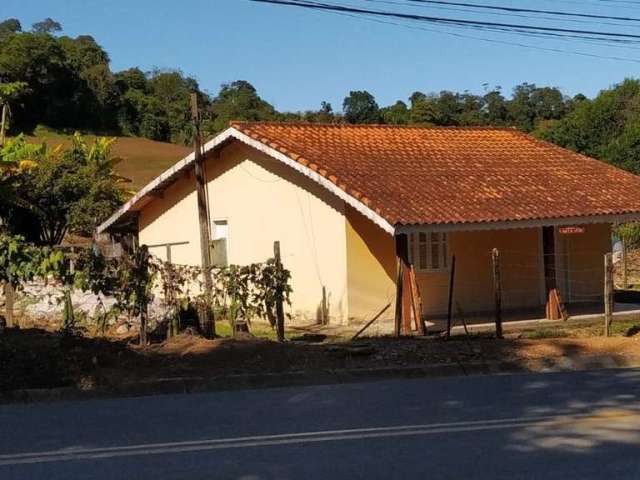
(9, 300)
(452, 277)
(406, 299)
(205, 317)
(143, 329)
(608, 293)
(624, 265)
(397, 324)
(497, 288)
(3, 123)
(279, 295)
(402, 255)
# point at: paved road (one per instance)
(563, 425)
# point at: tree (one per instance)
(73, 190)
(17, 265)
(495, 107)
(9, 27)
(423, 110)
(48, 25)
(396, 114)
(8, 93)
(361, 107)
(39, 61)
(237, 100)
(324, 115)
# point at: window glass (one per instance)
(422, 251)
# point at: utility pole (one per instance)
(205, 315)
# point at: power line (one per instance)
(528, 10)
(502, 14)
(492, 40)
(482, 39)
(446, 21)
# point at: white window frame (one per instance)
(424, 239)
(214, 230)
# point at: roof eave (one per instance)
(525, 223)
(233, 133)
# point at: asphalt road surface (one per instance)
(544, 426)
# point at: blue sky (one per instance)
(298, 58)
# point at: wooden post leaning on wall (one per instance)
(497, 290)
(416, 302)
(608, 293)
(279, 295)
(402, 257)
(205, 315)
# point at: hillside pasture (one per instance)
(143, 159)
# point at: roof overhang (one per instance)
(169, 175)
(511, 224)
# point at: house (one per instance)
(346, 202)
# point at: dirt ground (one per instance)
(35, 358)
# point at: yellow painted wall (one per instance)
(371, 268)
(582, 268)
(264, 200)
(473, 286)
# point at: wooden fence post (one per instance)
(3, 123)
(402, 255)
(452, 277)
(206, 320)
(279, 294)
(9, 300)
(624, 265)
(608, 293)
(497, 289)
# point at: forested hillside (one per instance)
(69, 85)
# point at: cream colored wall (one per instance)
(264, 200)
(173, 218)
(371, 268)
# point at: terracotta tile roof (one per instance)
(420, 175)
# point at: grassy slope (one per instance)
(143, 159)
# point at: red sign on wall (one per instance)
(571, 230)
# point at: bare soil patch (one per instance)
(36, 358)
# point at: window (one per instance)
(219, 245)
(428, 251)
